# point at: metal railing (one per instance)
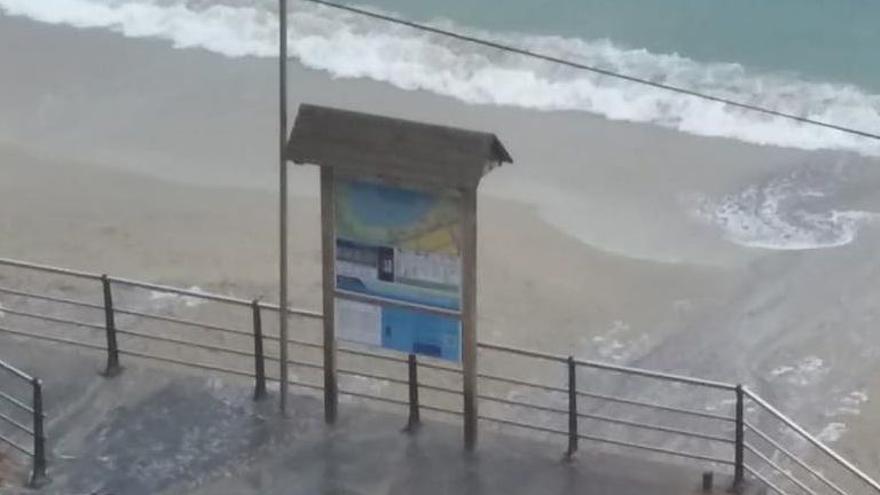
(32, 429)
(577, 407)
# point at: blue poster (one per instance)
(398, 268)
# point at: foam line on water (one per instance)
(348, 46)
(789, 212)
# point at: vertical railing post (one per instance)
(259, 358)
(572, 409)
(110, 325)
(739, 454)
(414, 413)
(38, 475)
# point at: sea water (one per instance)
(814, 59)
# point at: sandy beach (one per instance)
(127, 157)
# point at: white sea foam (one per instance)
(787, 213)
(849, 405)
(163, 298)
(832, 432)
(349, 46)
(807, 371)
(618, 344)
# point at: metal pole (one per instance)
(739, 455)
(282, 184)
(414, 413)
(572, 408)
(259, 358)
(110, 326)
(38, 476)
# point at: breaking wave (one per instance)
(349, 46)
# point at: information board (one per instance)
(398, 267)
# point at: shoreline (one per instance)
(175, 129)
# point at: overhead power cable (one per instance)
(590, 68)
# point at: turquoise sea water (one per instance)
(824, 40)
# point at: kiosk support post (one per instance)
(469, 316)
(328, 253)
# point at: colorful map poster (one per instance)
(398, 268)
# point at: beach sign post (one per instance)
(399, 237)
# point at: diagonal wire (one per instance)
(590, 68)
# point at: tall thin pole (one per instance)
(282, 166)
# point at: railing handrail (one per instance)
(810, 438)
(546, 356)
(50, 269)
(15, 371)
(157, 287)
(629, 370)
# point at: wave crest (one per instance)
(350, 46)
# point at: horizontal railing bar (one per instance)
(190, 364)
(522, 404)
(16, 424)
(543, 429)
(659, 450)
(290, 341)
(181, 292)
(374, 397)
(221, 369)
(63, 300)
(438, 367)
(293, 311)
(51, 339)
(181, 321)
(15, 371)
(151, 286)
(522, 352)
(441, 410)
(172, 340)
(49, 269)
(299, 384)
(810, 438)
(301, 364)
(793, 457)
(355, 352)
(764, 480)
(611, 367)
(669, 377)
(16, 446)
(54, 319)
(653, 427)
(523, 383)
(661, 407)
(12, 400)
(371, 376)
(438, 388)
(778, 469)
(303, 343)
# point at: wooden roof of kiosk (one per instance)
(360, 144)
